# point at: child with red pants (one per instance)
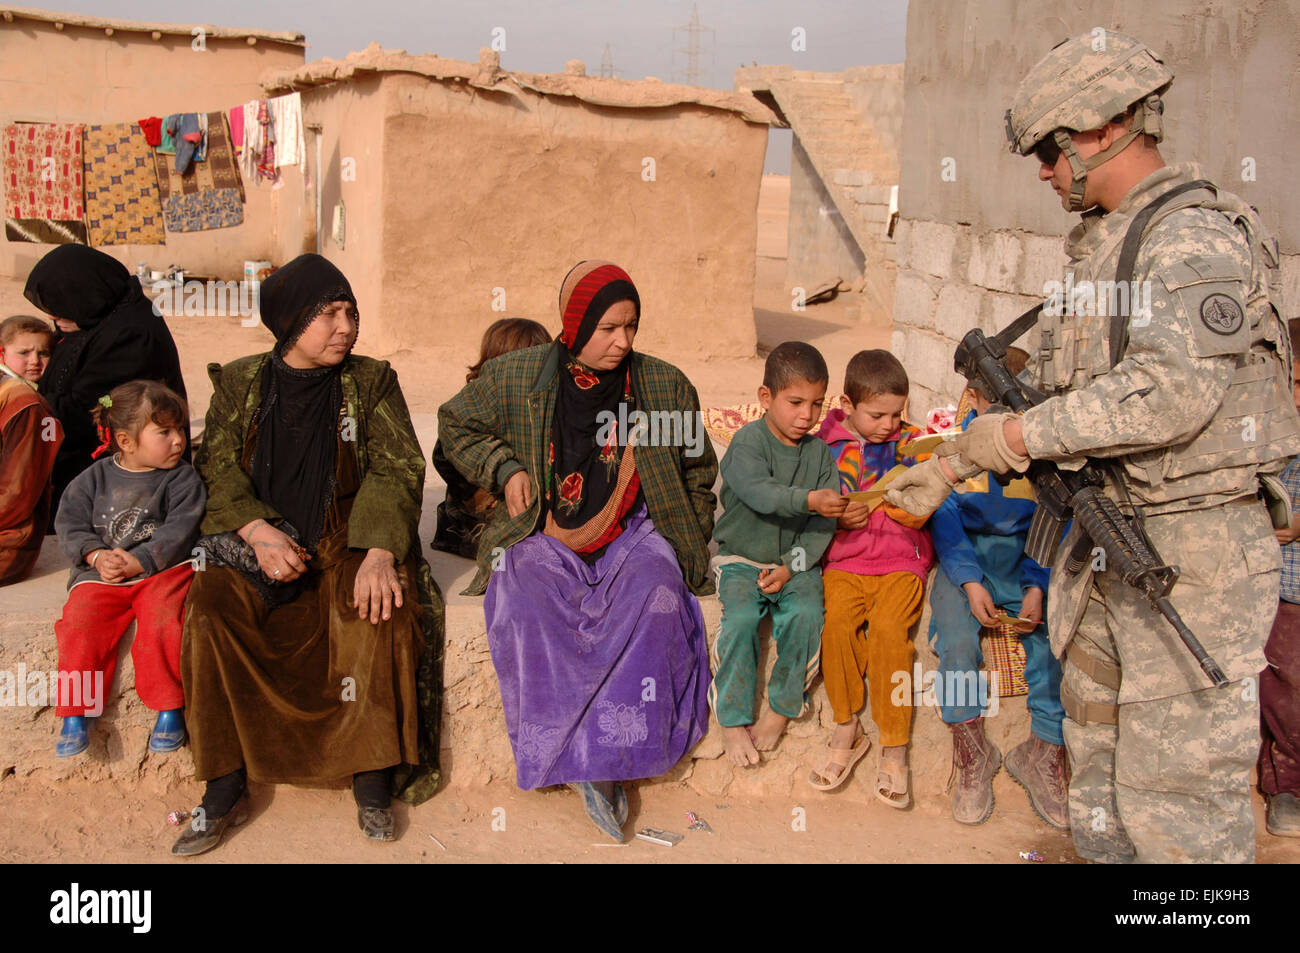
(129, 523)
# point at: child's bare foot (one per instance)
(766, 732)
(740, 747)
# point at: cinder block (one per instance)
(874, 213)
(1044, 261)
(995, 260)
(873, 195)
(958, 310)
(931, 248)
(914, 299)
(1291, 285)
(929, 361)
(1001, 309)
(850, 177)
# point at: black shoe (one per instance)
(203, 834)
(376, 822)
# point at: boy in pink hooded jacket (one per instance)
(874, 574)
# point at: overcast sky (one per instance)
(540, 35)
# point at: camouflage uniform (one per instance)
(1170, 781)
(1196, 409)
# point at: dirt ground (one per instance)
(75, 821)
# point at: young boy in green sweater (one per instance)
(780, 495)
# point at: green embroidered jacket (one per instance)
(500, 423)
(386, 511)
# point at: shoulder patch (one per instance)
(1221, 314)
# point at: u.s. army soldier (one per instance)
(1187, 393)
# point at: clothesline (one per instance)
(121, 183)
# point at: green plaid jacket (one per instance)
(499, 424)
(386, 510)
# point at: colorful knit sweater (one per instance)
(892, 540)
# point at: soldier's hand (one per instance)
(920, 489)
(984, 444)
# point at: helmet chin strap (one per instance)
(1146, 120)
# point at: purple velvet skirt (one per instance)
(603, 668)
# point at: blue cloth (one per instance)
(955, 638)
(1291, 551)
(965, 515)
(179, 126)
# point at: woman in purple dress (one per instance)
(596, 558)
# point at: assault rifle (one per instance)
(1078, 494)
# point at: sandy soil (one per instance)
(70, 822)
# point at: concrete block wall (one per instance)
(979, 236)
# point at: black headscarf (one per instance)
(119, 338)
(295, 461)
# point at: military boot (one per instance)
(1040, 767)
(975, 759)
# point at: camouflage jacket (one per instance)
(1198, 404)
(499, 424)
(386, 510)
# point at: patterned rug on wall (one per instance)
(211, 193)
(122, 200)
(43, 183)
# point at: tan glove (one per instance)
(984, 444)
(923, 487)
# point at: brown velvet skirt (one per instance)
(307, 692)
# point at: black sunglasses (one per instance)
(1047, 151)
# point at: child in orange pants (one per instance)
(874, 576)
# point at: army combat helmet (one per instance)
(1082, 84)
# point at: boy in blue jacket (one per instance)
(979, 536)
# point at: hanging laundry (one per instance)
(266, 167)
(286, 117)
(152, 129)
(201, 153)
(211, 194)
(166, 141)
(43, 183)
(122, 204)
(237, 130)
(254, 142)
(184, 128)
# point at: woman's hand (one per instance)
(377, 589)
(275, 551)
(518, 493)
(1290, 534)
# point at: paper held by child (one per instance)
(876, 495)
(1004, 619)
(926, 443)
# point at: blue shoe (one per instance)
(620, 804)
(74, 738)
(168, 731)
